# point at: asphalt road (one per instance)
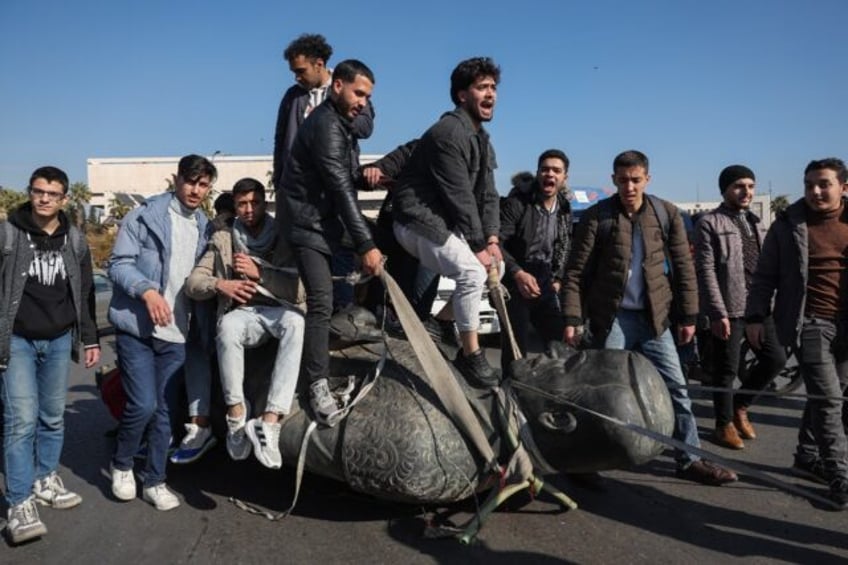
(636, 516)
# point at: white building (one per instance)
(136, 178)
(132, 179)
(761, 206)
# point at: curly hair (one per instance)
(469, 70)
(311, 46)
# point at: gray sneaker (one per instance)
(265, 438)
(23, 522)
(238, 445)
(50, 491)
(321, 401)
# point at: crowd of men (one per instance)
(186, 289)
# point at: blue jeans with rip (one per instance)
(33, 387)
(632, 330)
(149, 366)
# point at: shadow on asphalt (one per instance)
(729, 532)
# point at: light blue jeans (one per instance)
(200, 348)
(632, 330)
(251, 326)
(33, 388)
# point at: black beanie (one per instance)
(732, 174)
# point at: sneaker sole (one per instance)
(35, 532)
(72, 503)
(177, 459)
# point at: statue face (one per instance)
(572, 440)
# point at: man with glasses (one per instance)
(44, 315)
(155, 252)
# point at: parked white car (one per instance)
(489, 323)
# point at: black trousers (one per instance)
(315, 272)
(726, 359)
(543, 313)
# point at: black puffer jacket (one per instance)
(318, 198)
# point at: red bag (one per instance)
(111, 390)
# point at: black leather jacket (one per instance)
(317, 194)
(290, 117)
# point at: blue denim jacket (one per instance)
(140, 262)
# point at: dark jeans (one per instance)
(314, 268)
(824, 365)
(544, 313)
(418, 283)
(343, 262)
(149, 368)
(726, 357)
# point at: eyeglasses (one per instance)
(38, 194)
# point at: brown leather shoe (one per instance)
(742, 424)
(707, 473)
(727, 436)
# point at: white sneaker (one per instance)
(50, 491)
(195, 443)
(238, 445)
(160, 496)
(123, 484)
(23, 522)
(265, 438)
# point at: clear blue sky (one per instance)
(696, 85)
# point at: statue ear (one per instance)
(559, 422)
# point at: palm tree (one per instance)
(9, 200)
(78, 196)
(779, 204)
(118, 209)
